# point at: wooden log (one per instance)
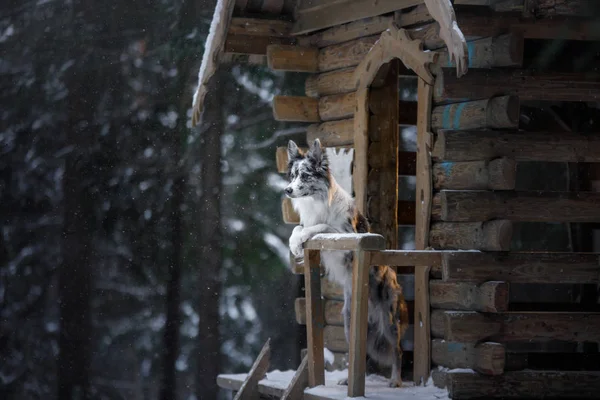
(293, 58)
(314, 318)
(290, 216)
(496, 112)
(542, 146)
(472, 326)
(487, 236)
(353, 30)
(500, 51)
(488, 297)
(481, 205)
(514, 267)
(487, 358)
(259, 27)
(295, 390)
(527, 84)
(337, 106)
(332, 133)
(296, 108)
(255, 45)
(498, 174)
(528, 384)
(249, 389)
(348, 54)
(332, 309)
(328, 83)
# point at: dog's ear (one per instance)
(317, 154)
(292, 150)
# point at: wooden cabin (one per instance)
(519, 87)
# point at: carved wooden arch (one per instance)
(394, 43)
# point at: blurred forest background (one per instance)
(138, 256)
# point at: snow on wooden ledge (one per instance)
(346, 241)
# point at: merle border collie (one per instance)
(325, 207)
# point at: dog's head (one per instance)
(308, 173)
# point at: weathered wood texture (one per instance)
(289, 215)
(332, 133)
(406, 211)
(519, 146)
(472, 326)
(295, 390)
(296, 108)
(488, 297)
(407, 163)
(500, 51)
(360, 139)
(359, 310)
(293, 58)
(527, 84)
(497, 174)
(487, 236)
(496, 112)
(348, 54)
(328, 83)
(487, 358)
(349, 241)
(515, 267)
(314, 318)
(253, 45)
(259, 27)
(338, 106)
(480, 205)
(347, 32)
(524, 384)
(249, 389)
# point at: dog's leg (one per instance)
(396, 379)
(295, 242)
(309, 232)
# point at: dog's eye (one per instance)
(303, 176)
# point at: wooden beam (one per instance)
(289, 215)
(513, 267)
(314, 318)
(491, 52)
(500, 112)
(472, 326)
(353, 30)
(527, 84)
(347, 241)
(295, 390)
(498, 174)
(360, 140)
(259, 27)
(246, 44)
(520, 146)
(488, 297)
(481, 205)
(359, 309)
(332, 133)
(325, 15)
(524, 384)
(487, 236)
(249, 389)
(295, 108)
(293, 58)
(487, 358)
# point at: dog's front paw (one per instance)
(395, 383)
(343, 382)
(296, 242)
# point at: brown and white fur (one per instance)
(324, 207)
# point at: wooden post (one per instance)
(249, 389)
(488, 297)
(488, 236)
(358, 324)
(498, 174)
(314, 318)
(361, 144)
(295, 390)
(497, 112)
(422, 354)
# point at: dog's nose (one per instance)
(288, 190)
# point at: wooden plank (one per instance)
(409, 258)
(353, 30)
(289, 215)
(388, 98)
(524, 384)
(259, 27)
(361, 144)
(293, 58)
(233, 382)
(515, 267)
(332, 133)
(487, 358)
(348, 54)
(488, 297)
(527, 84)
(295, 390)
(337, 13)
(296, 109)
(487, 236)
(246, 44)
(422, 359)
(472, 326)
(358, 324)
(519, 146)
(249, 389)
(491, 52)
(481, 205)
(314, 318)
(346, 241)
(500, 112)
(497, 174)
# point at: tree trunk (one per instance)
(209, 343)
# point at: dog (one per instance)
(325, 207)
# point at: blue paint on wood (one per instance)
(446, 117)
(458, 114)
(470, 52)
(447, 167)
(454, 347)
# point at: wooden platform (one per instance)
(273, 386)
